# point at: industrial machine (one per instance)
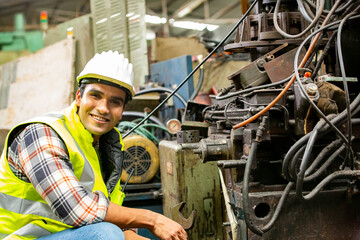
(285, 133)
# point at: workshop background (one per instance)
(220, 155)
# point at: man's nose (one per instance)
(103, 107)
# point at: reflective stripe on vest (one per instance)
(31, 229)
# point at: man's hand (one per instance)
(166, 229)
(161, 226)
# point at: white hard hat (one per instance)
(112, 67)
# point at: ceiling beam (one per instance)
(151, 12)
(187, 8)
(206, 9)
(225, 10)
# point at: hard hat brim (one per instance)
(105, 78)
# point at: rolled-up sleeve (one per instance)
(44, 159)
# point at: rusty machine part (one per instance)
(142, 155)
(293, 172)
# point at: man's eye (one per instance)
(116, 102)
(96, 95)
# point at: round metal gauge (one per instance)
(173, 125)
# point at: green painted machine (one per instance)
(19, 42)
(185, 179)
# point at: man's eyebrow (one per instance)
(101, 93)
(96, 91)
(118, 98)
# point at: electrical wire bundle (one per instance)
(300, 152)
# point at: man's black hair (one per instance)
(85, 81)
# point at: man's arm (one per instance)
(41, 157)
(161, 226)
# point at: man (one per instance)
(60, 173)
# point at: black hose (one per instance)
(274, 217)
(355, 108)
(323, 55)
(323, 167)
(346, 89)
(245, 190)
(329, 178)
(195, 69)
(341, 135)
(294, 162)
(199, 85)
(324, 153)
(304, 163)
(151, 90)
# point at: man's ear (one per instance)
(78, 98)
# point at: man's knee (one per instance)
(108, 231)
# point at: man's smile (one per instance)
(99, 118)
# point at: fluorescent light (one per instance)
(134, 17)
(181, 24)
(101, 21)
(194, 25)
(154, 19)
(115, 15)
(129, 14)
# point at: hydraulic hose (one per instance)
(323, 55)
(245, 190)
(323, 167)
(328, 179)
(304, 162)
(355, 108)
(317, 32)
(195, 69)
(323, 154)
(286, 88)
(346, 89)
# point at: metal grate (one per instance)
(119, 25)
(138, 158)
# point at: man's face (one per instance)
(100, 108)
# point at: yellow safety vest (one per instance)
(23, 212)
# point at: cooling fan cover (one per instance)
(142, 155)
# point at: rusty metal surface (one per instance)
(282, 66)
(329, 216)
(240, 47)
(185, 178)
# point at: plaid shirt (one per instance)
(39, 156)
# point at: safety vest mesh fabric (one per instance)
(24, 213)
